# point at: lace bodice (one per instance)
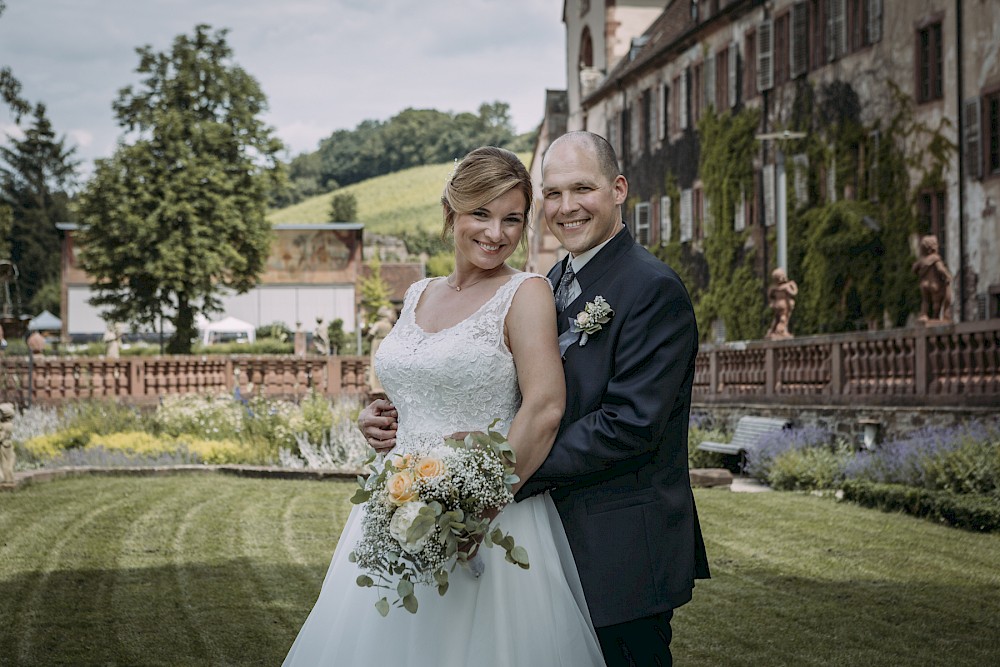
(457, 379)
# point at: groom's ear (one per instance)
(620, 188)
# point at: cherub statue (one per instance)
(6, 444)
(935, 283)
(781, 299)
(321, 337)
(113, 339)
(377, 332)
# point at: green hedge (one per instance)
(980, 512)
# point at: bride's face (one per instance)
(487, 236)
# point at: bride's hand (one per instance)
(377, 423)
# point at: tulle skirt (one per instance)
(508, 617)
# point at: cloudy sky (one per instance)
(323, 64)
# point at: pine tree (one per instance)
(36, 173)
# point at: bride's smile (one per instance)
(487, 236)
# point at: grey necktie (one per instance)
(565, 288)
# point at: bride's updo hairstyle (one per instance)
(483, 175)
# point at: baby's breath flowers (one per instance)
(426, 510)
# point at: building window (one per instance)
(722, 80)
(781, 50)
(931, 214)
(799, 41)
(641, 224)
(675, 109)
(750, 57)
(836, 29)
(626, 136)
(991, 107)
(930, 65)
(698, 213)
(817, 33)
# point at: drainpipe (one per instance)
(961, 163)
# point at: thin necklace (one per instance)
(459, 288)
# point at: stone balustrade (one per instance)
(954, 365)
(948, 366)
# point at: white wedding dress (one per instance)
(458, 379)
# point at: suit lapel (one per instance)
(594, 270)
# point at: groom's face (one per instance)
(581, 206)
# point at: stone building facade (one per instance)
(643, 74)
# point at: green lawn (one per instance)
(212, 570)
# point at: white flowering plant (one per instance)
(591, 319)
(427, 511)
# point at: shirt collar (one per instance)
(580, 261)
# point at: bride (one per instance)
(474, 346)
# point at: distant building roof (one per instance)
(45, 321)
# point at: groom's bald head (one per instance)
(602, 151)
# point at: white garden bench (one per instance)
(749, 431)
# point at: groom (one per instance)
(618, 469)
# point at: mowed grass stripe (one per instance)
(804, 580)
(71, 579)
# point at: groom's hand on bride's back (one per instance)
(377, 423)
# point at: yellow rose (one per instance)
(401, 462)
(583, 319)
(400, 487)
(430, 467)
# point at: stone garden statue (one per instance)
(781, 300)
(6, 444)
(935, 283)
(321, 338)
(113, 339)
(377, 332)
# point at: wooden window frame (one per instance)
(929, 60)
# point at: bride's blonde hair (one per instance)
(483, 175)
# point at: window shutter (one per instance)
(874, 21)
(642, 223)
(973, 138)
(706, 217)
(687, 218)
(734, 61)
(769, 213)
(831, 181)
(765, 56)
(682, 103)
(740, 214)
(666, 222)
(708, 90)
(799, 182)
(836, 30)
(799, 47)
(661, 105)
(875, 141)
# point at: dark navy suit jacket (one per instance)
(618, 470)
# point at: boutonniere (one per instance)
(590, 320)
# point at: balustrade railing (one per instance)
(954, 365)
(145, 379)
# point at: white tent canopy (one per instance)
(228, 328)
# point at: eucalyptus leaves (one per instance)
(425, 512)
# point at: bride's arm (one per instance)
(531, 335)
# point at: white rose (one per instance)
(583, 319)
(400, 524)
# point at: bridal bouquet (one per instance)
(425, 512)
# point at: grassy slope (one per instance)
(386, 204)
(194, 570)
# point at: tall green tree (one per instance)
(176, 217)
(10, 87)
(375, 291)
(36, 174)
(343, 207)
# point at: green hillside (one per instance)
(386, 204)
